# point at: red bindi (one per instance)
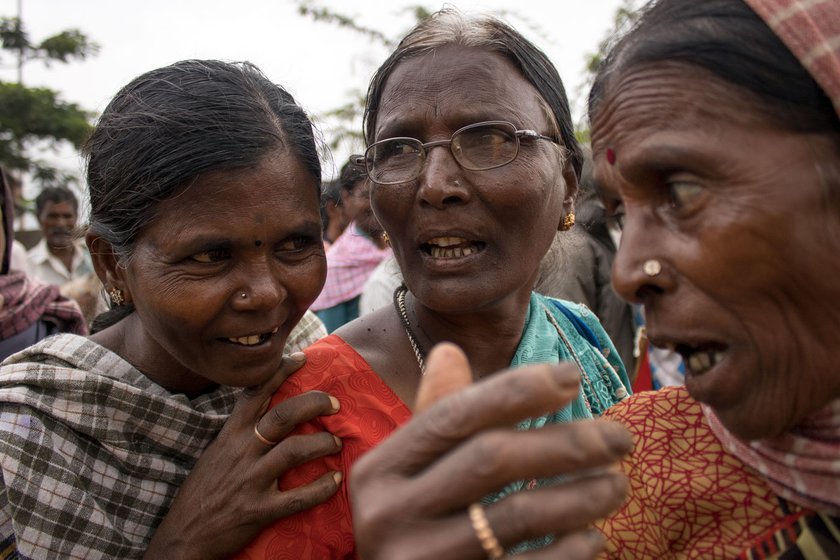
(611, 156)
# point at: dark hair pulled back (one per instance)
(171, 124)
(450, 27)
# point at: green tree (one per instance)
(38, 116)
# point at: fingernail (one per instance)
(567, 377)
(338, 477)
(618, 438)
(337, 441)
(297, 356)
(335, 404)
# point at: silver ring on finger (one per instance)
(484, 533)
(264, 440)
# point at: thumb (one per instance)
(447, 371)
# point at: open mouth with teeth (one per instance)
(702, 358)
(452, 247)
(252, 340)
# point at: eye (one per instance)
(294, 244)
(483, 146)
(396, 147)
(682, 194)
(211, 256)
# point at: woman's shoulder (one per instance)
(65, 348)
(669, 406)
(578, 314)
(333, 366)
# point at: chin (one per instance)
(750, 426)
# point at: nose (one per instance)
(259, 287)
(441, 183)
(640, 270)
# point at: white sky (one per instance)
(317, 62)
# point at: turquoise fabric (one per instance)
(604, 381)
(340, 314)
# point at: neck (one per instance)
(488, 337)
(128, 339)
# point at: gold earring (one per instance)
(568, 222)
(117, 298)
(386, 238)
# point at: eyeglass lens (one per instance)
(475, 148)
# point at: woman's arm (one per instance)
(410, 495)
(231, 493)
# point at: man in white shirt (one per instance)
(60, 256)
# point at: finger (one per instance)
(296, 450)
(289, 502)
(583, 545)
(558, 509)
(282, 418)
(496, 458)
(447, 371)
(500, 400)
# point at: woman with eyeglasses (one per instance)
(473, 168)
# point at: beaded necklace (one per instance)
(399, 304)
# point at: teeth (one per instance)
(253, 339)
(440, 252)
(446, 241)
(247, 340)
(699, 362)
(702, 361)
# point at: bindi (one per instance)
(611, 156)
(258, 242)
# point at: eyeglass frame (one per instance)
(425, 147)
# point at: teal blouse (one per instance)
(550, 336)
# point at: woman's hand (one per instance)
(231, 493)
(410, 495)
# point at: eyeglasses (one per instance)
(477, 147)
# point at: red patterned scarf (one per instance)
(24, 301)
(811, 30)
(803, 465)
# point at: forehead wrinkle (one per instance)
(409, 89)
(671, 96)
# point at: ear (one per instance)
(108, 265)
(569, 194)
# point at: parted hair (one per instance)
(168, 126)
(451, 27)
(171, 124)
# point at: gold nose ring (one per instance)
(652, 267)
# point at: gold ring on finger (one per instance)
(263, 439)
(484, 532)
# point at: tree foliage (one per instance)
(38, 116)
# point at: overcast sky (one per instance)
(318, 62)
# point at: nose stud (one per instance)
(652, 267)
(243, 295)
